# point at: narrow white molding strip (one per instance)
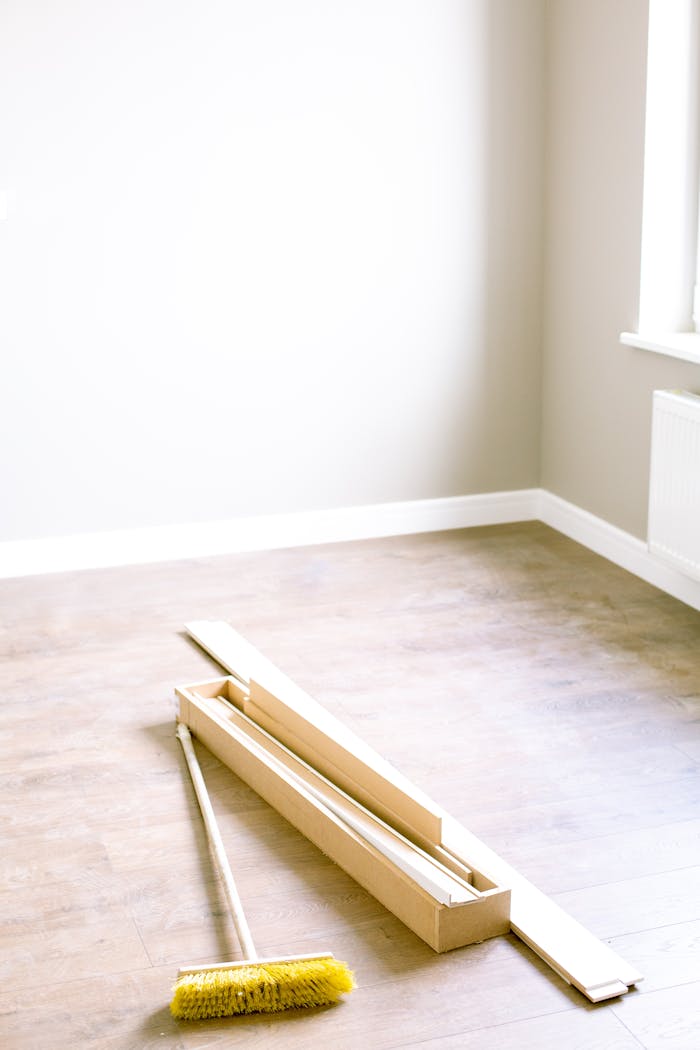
(268, 532)
(617, 546)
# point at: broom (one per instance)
(253, 985)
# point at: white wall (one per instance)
(266, 256)
(597, 394)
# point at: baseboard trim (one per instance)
(99, 550)
(617, 546)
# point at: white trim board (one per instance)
(617, 546)
(273, 531)
(99, 550)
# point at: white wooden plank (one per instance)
(570, 949)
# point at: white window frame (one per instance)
(669, 303)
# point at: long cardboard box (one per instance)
(484, 913)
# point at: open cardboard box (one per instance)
(311, 785)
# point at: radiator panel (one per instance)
(674, 487)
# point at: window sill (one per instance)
(683, 345)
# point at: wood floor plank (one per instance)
(668, 1019)
(38, 860)
(690, 745)
(56, 953)
(573, 1030)
(613, 857)
(564, 821)
(119, 1011)
(637, 904)
(666, 955)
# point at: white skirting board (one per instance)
(617, 546)
(99, 550)
(268, 532)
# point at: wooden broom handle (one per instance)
(217, 845)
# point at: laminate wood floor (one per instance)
(547, 699)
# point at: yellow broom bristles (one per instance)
(264, 987)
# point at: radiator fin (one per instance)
(674, 488)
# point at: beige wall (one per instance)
(596, 393)
(264, 256)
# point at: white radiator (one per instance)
(674, 487)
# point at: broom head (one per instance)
(259, 986)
